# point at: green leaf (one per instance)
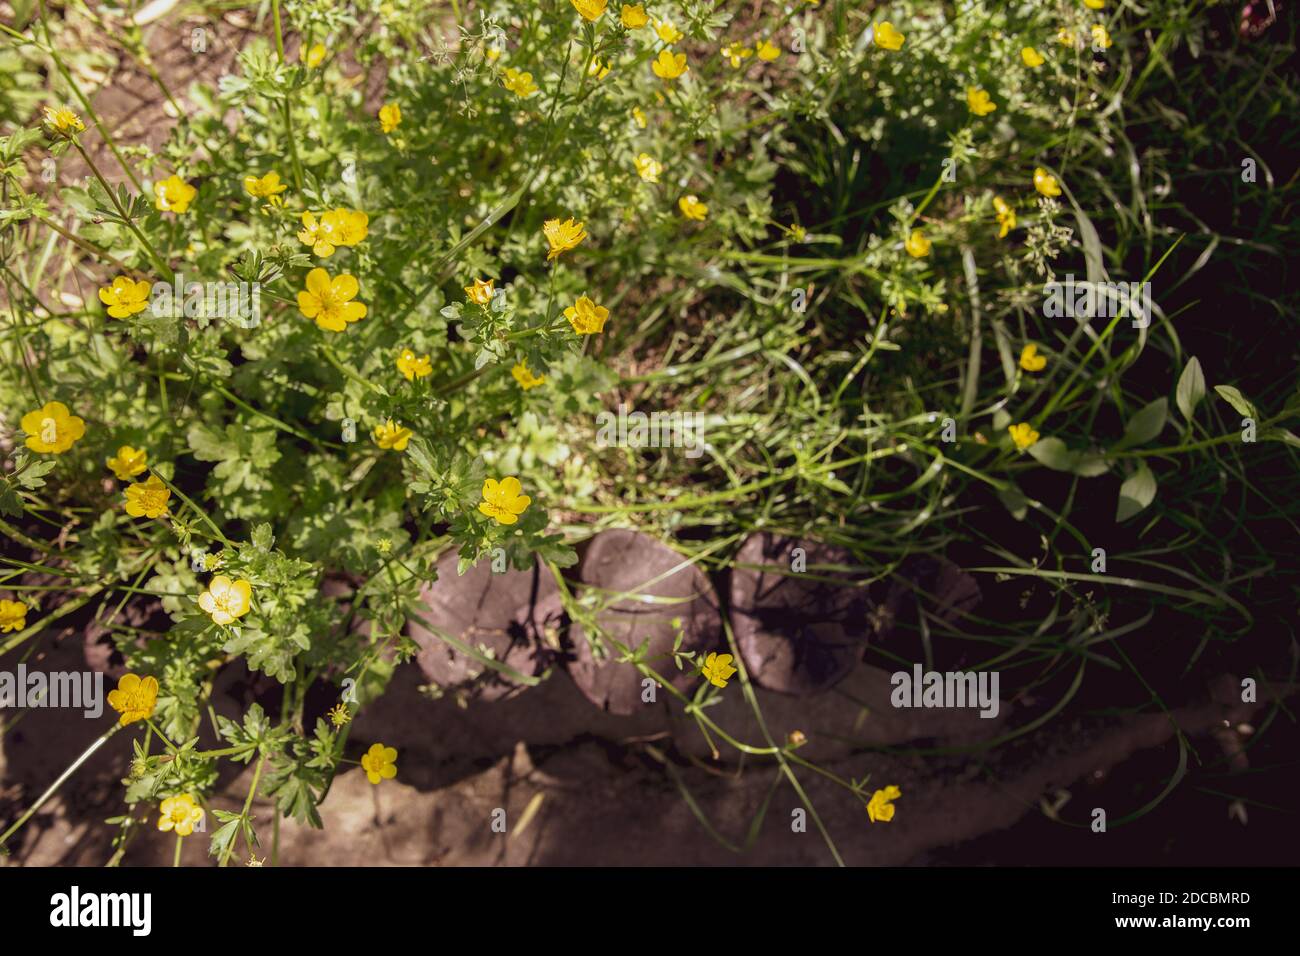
(1014, 500)
(1191, 388)
(1238, 401)
(1146, 424)
(1138, 491)
(1280, 434)
(1052, 453)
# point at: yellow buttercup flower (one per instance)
(887, 37)
(319, 233)
(128, 462)
(347, 226)
(390, 117)
(692, 208)
(525, 377)
(173, 194)
(392, 437)
(736, 54)
(667, 32)
(718, 669)
(648, 168)
(125, 296)
(669, 65)
(1095, 4)
(562, 236)
(63, 120)
(598, 68)
(147, 499)
(264, 187)
(1032, 58)
(917, 245)
(1046, 183)
(179, 815)
(586, 317)
(13, 616)
(768, 51)
(639, 117)
(52, 429)
(134, 698)
(412, 366)
(1006, 216)
(1100, 38)
(480, 292)
(503, 501)
(226, 600)
(1023, 435)
(591, 10)
(315, 56)
(979, 102)
(380, 762)
(880, 809)
(1030, 360)
(519, 83)
(1065, 37)
(633, 16)
(329, 301)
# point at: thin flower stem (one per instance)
(130, 224)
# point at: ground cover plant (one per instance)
(981, 308)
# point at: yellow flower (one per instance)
(412, 366)
(147, 499)
(881, 807)
(586, 317)
(768, 51)
(392, 436)
(1095, 4)
(1006, 216)
(638, 117)
(347, 227)
(692, 208)
(797, 232)
(380, 762)
(179, 815)
(1065, 37)
(480, 292)
(598, 68)
(265, 186)
(917, 245)
(736, 54)
(128, 463)
(125, 296)
(633, 16)
(338, 715)
(591, 10)
(173, 194)
(648, 168)
(978, 101)
(52, 429)
(889, 38)
(502, 500)
(1100, 38)
(1033, 59)
(134, 698)
(670, 65)
(63, 120)
(390, 117)
(718, 669)
(225, 599)
(315, 56)
(562, 236)
(319, 233)
(1045, 182)
(667, 32)
(13, 616)
(525, 377)
(519, 83)
(1023, 435)
(329, 301)
(1030, 360)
